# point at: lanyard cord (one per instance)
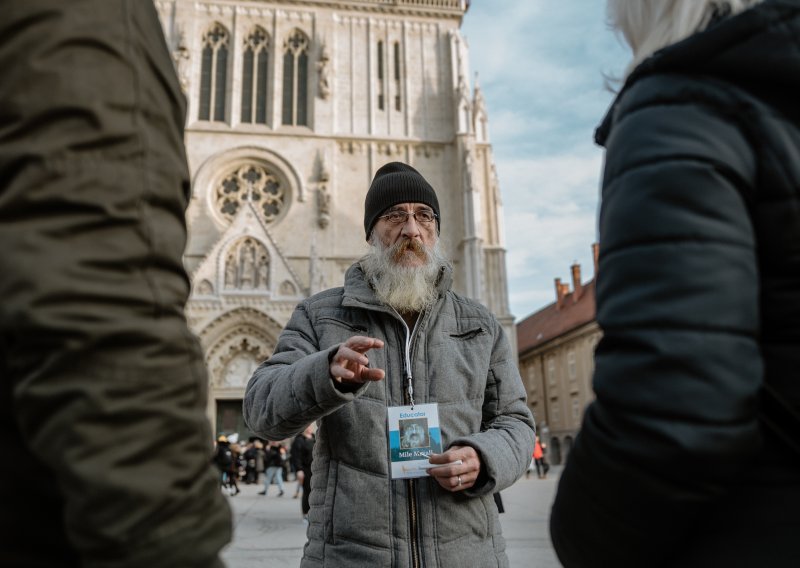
(407, 375)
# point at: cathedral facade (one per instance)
(292, 106)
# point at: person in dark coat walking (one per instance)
(302, 455)
(689, 456)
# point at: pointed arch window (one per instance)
(397, 73)
(295, 79)
(255, 63)
(381, 96)
(214, 74)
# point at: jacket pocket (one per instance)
(462, 518)
(332, 331)
(361, 509)
(469, 334)
(462, 364)
(354, 327)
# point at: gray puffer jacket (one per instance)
(461, 359)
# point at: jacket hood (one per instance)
(757, 50)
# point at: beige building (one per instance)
(556, 361)
(292, 106)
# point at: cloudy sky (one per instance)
(541, 67)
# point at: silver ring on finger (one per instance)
(459, 480)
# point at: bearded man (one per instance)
(395, 343)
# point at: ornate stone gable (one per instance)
(246, 261)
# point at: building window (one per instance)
(551, 372)
(397, 100)
(251, 183)
(572, 368)
(214, 74)
(295, 79)
(576, 410)
(555, 415)
(255, 62)
(381, 94)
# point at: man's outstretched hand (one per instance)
(351, 365)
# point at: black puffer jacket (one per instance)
(699, 300)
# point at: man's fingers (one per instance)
(455, 483)
(350, 363)
(368, 374)
(346, 355)
(456, 477)
(363, 344)
(341, 372)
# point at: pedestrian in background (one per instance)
(690, 454)
(250, 456)
(276, 456)
(302, 456)
(538, 459)
(102, 385)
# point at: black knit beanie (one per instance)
(397, 183)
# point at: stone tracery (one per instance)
(251, 183)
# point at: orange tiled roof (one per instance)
(549, 323)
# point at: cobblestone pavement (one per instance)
(269, 531)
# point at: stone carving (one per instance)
(288, 289)
(239, 369)
(181, 55)
(323, 69)
(205, 288)
(247, 266)
(323, 207)
(262, 275)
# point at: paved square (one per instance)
(269, 531)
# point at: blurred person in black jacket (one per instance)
(689, 456)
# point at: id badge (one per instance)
(413, 435)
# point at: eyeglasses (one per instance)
(400, 217)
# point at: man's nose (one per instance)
(411, 228)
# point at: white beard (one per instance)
(407, 289)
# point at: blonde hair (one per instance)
(649, 25)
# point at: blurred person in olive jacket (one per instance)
(102, 385)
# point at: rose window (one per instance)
(254, 184)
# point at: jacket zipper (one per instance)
(409, 400)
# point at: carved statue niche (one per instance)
(323, 206)
(181, 55)
(262, 273)
(247, 259)
(231, 269)
(323, 69)
(247, 266)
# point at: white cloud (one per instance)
(542, 75)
